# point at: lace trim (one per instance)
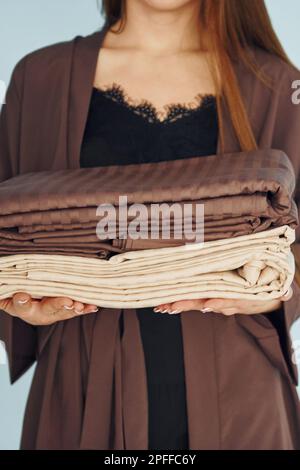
(143, 107)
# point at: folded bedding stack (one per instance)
(49, 244)
(257, 266)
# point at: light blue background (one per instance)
(28, 25)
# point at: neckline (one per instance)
(169, 112)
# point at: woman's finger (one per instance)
(50, 305)
(65, 308)
(229, 311)
(180, 306)
(216, 305)
(90, 308)
(6, 305)
(21, 304)
(224, 306)
(78, 307)
(45, 311)
(288, 295)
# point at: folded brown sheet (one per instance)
(55, 211)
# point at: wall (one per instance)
(28, 25)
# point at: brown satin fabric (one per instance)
(38, 197)
(229, 405)
(257, 197)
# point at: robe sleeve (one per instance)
(286, 137)
(19, 338)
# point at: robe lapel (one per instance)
(83, 68)
(201, 401)
(85, 58)
(130, 389)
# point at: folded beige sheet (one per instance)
(257, 266)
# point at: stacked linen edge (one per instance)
(55, 212)
(49, 245)
(258, 266)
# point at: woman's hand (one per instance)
(225, 306)
(45, 311)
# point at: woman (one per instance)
(161, 80)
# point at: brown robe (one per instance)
(89, 388)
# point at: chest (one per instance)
(161, 79)
(55, 108)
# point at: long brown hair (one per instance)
(233, 26)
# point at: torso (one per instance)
(142, 109)
(118, 133)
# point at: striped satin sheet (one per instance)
(54, 212)
(258, 266)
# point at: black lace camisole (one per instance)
(121, 131)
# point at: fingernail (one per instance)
(288, 293)
(172, 312)
(165, 311)
(22, 302)
(78, 311)
(68, 308)
(207, 309)
(94, 311)
(156, 309)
